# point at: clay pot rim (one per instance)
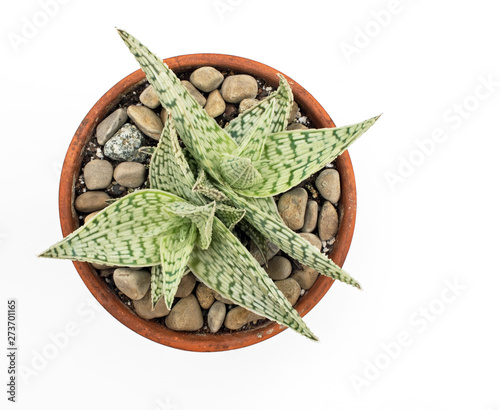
(152, 330)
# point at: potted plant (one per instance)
(197, 195)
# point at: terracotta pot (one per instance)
(110, 301)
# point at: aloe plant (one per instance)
(198, 195)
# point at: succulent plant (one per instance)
(198, 194)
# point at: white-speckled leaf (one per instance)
(201, 216)
(175, 254)
(126, 233)
(252, 145)
(291, 243)
(227, 267)
(282, 99)
(229, 215)
(199, 132)
(289, 157)
(169, 169)
(207, 189)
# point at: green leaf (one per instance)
(282, 99)
(207, 189)
(259, 240)
(175, 252)
(201, 216)
(156, 284)
(289, 157)
(252, 145)
(239, 172)
(169, 169)
(291, 243)
(126, 233)
(229, 215)
(227, 267)
(199, 132)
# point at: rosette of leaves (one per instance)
(198, 195)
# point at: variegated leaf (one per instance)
(156, 284)
(289, 157)
(282, 98)
(229, 215)
(207, 189)
(169, 169)
(201, 216)
(199, 132)
(291, 243)
(228, 267)
(252, 145)
(175, 253)
(259, 240)
(126, 233)
(239, 172)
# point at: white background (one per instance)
(438, 223)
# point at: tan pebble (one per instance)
(290, 288)
(205, 295)
(149, 98)
(238, 317)
(144, 307)
(328, 222)
(91, 201)
(186, 285)
(186, 315)
(146, 120)
(216, 316)
(200, 99)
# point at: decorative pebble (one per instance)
(91, 201)
(144, 307)
(125, 144)
(236, 88)
(311, 217)
(146, 120)
(306, 277)
(312, 239)
(279, 268)
(290, 288)
(149, 98)
(112, 123)
(98, 174)
(328, 222)
(238, 317)
(292, 208)
(163, 115)
(206, 78)
(130, 174)
(194, 93)
(293, 112)
(328, 184)
(102, 266)
(215, 105)
(133, 283)
(296, 126)
(90, 216)
(216, 316)
(247, 103)
(205, 295)
(186, 286)
(222, 299)
(185, 315)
